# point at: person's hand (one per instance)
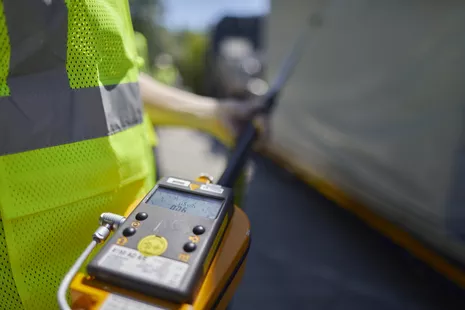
(234, 114)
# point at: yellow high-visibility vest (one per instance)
(74, 141)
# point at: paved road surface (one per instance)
(187, 153)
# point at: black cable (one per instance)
(239, 154)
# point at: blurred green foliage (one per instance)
(191, 59)
(152, 39)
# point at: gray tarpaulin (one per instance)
(376, 107)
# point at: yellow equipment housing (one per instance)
(217, 289)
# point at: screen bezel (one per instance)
(201, 195)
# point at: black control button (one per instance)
(190, 247)
(129, 231)
(198, 230)
(141, 216)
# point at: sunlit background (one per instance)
(365, 111)
(177, 40)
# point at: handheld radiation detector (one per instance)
(166, 245)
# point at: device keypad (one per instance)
(180, 250)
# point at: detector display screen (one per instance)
(186, 203)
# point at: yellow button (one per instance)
(122, 241)
(152, 245)
(184, 257)
(194, 186)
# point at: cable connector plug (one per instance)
(108, 222)
(102, 233)
(114, 220)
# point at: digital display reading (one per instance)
(186, 203)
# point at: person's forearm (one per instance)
(170, 106)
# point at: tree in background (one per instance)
(190, 59)
(145, 16)
(154, 41)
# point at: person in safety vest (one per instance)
(75, 140)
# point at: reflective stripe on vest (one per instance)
(68, 79)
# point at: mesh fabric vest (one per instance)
(74, 141)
